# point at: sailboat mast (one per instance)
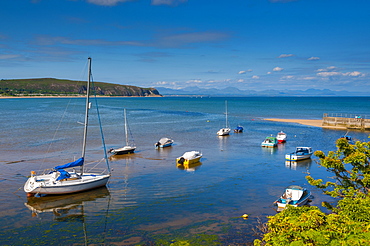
(126, 131)
(86, 109)
(227, 124)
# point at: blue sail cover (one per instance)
(76, 163)
(63, 174)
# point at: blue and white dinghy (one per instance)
(293, 195)
(60, 181)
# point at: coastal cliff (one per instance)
(59, 87)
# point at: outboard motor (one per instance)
(181, 161)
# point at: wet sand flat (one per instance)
(317, 123)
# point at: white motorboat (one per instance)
(164, 142)
(293, 195)
(301, 153)
(281, 137)
(189, 158)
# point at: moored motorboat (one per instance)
(281, 137)
(301, 153)
(269, 142)
(164, 142)
(293, 195)
(189, 157)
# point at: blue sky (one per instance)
(248, 44)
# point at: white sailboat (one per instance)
(226, 130)
(128, 148)
(60, 181)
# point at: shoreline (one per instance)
(82, 96)
(316, 123)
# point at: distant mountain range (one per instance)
(232, 91)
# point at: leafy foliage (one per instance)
(350, 166)
(310, 226)
(349, 224)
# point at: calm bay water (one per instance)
(148, 199)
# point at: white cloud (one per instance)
(277, 69)
(107, 2)
(313, 58)
(287, 77)
(197, 81)
(255, 77)
(309, 78)
(328, 69)
(164, 83)
(168, 2)
(243, 72)
(336, 74)
(354, 74)
(240, 80)
(328, 74)
(332, 68)
(285, 55)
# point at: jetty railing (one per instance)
(350, 121)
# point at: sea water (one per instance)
(149, 199)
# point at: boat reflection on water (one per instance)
(294, 165)
(122, 157)
(192, 167)
(269, 151)
(65, 207)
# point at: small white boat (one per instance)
(164, 142)
(301, 153)
(226, 130)
(281, 137)
(269, 142)
(293, 195)
(188, 158)
(60, 181)
(128, 149)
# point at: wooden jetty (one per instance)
(349, 121)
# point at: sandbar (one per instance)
(316, 123)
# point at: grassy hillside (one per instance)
(51, 86)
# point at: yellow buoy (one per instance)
(245, 216)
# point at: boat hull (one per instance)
(123, 151)
(270, 142)
(47, 184)
(224, 132)
(164, 145)
(183, 161)
(281, 137)
(282, 203)
(293, 195)
(294, 157)
(269, 145)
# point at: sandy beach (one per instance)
(316, 123)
